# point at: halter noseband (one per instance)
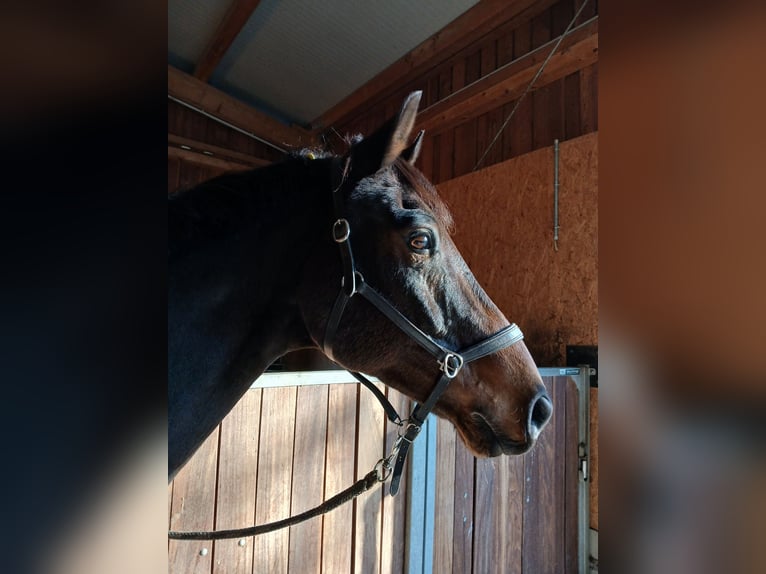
(450, 361)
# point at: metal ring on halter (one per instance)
(448, 368)
(341, 237)
(356, 278)
(384, 469)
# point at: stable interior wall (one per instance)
(504, 229)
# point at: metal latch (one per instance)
(583, 461)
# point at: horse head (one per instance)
(402, 248)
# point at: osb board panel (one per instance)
(504, 229)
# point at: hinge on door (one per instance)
(582, 461)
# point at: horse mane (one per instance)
(226, 202)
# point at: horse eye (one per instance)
(420, 242)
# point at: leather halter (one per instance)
(450, 361)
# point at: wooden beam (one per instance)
(209, 150)
(457, 35)
(213, 101)
(578, 50)
(198, 157)
(235, 19)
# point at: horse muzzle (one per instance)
(494, 442)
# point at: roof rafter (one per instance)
(235, 19)
(578, 50)
(443, 45)
(213, 101)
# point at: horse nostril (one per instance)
(539, 414)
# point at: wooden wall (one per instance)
(214, 148)
(504, 229)
(511, 514)
(561, 106)
(279, 452)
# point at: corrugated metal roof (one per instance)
(296, 59)
(191, 25)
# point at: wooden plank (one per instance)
(271, 551)
(499, 495)
(519, 129)
(561, 16)
(216, 151)
(587, 13)
(368, 507)
(541, 549)
(444, 83)
(439, 48)
(541, 29)
(505, 141)
(578, 50)
(504, 48)
(436, 160)
(237, 472)
(571, 475)
(465, 148)
(462, 529)
(558, 428)
(445, 496)
(308, 477)
(542, 132)
(485, 509)
(174, 164)
(572, 106)
(446, 157)
(509, 524)
(189, 174)
(558, 129)
(425, 162)
(213, 101)
(236, 17)
(204, 161)
(522, 40)
(341, 430)
(394, 526)
(589, 99)
(593, 458)
(193, 509)
(473, 67)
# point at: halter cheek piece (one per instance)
(450, 361)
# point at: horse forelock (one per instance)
(426, 191)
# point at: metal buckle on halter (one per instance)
(448, 367)
(341, 230)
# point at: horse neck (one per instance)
(276, 214)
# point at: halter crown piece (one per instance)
(450, 361)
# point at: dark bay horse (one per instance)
(254, 272)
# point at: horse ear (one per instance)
(382, 148)
(411, 153)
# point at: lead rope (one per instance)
(360, 486)
(380, 473)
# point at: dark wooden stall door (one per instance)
(511, 514)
